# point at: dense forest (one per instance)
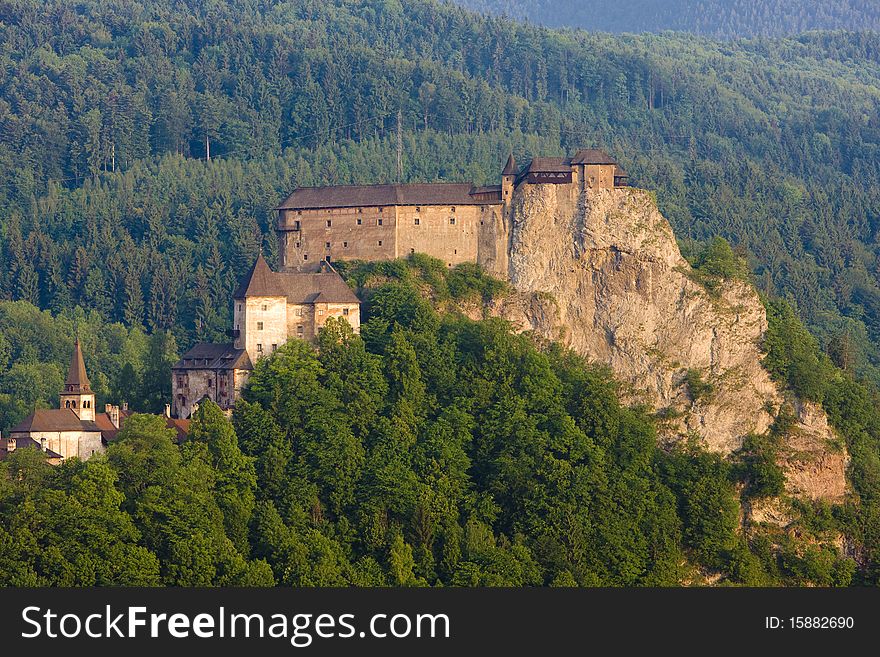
(430, 450)
(142, 148)
(716, 18)
(108, 113)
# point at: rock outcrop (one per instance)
(602, 273)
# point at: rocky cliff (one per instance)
(602, 273)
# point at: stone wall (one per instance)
(353, 233)
(70, 444)
(449, 233)
(261, 322)
(189, 386)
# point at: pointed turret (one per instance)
(259, 282)
(77, 379)
(510, 167)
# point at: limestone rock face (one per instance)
(602, 272)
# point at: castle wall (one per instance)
(262, 322)
(445, 232)
(365, 233)
(599, 176)
(189, 386)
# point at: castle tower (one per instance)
(77, 394)
(260, 312)
(508, 179)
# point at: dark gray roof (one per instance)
(592, 156)
(210, 356)
(619, 172)
(60, 419)
(351, 196)
(301, 288)
(258, 282)
(549, 165)
(510, 167)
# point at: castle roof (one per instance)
(351, 196)
(549, 165)
(55, 420)
(77, 379)
(299, 288)
(25, 443)
(510, 167)
(211, 356)
(259, 282)
(592, 156)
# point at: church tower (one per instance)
(77, 394)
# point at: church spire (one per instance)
(77, 379)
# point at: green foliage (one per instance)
(718, 18)
(793, 355)
(759, 469)
(698, 388)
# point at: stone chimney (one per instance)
(167, 410)
(125, 406)
(10, 444)
(113, 413)
(44, 444)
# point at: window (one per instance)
(239, 307)
(305, 256)
(327, 258)
(210, 383)
(345, 311)
(412, 250)
(298, 244)
(416, 221)
(274, 347)
(299, 330)
(360, 221)
(451, 221)
(295, 225)
(299, 312)
(259, 326)
(345, 245)
(380, 209)
(452, 209)
(329, 223)
(326, 245)
(380, 242)
(455, 251)
(299, 212)
(321, 312)
(379, 222)
(418, 209)
(259, 348)
(265, 307)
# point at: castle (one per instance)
(455, 222)
(269, 308)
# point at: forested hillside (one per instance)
(717, 18)
(108, 111)
(429, 450)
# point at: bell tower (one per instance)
(77, 394)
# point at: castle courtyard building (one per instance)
(269, 308)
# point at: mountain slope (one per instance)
(717, 18)
(771, 144)
(611, 284)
